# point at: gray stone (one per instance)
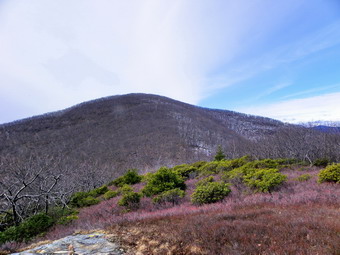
(90, 244)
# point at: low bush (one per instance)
(264, 180)
(228, 165)
(124, 189)
(330, 174)
(321, 162)
(77, 198)
(6, 220)
(65, 220)
(253, 166)
(199, 164)
(98, 191)
(209, 168)
(110, 194)
(88, 201)
(204, 181)
(130, 177)
(130, 200)
(185, 171)
(162, 180)
(171, 196)
(82, 199)
(28, 229)
(210, 192)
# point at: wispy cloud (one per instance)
(310, 91)
(274, 89)
(316, 41)
(323, 107)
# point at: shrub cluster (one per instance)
(82, 198)
(261, 175)
(130, 200)
(33, 226)
(170, 196)
(130, 177)
(330, 174)
(321, 162)
(185, 171)
(215, 167)
(162, 180)
(209, 192)
(110, 194)
(264, 180)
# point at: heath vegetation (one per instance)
(226, 206)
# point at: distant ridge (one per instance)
(135, 130)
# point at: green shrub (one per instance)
(65, 220)
(6, 220)
(28, 229)
(209, 168)
(171, 196)
(211, 192)
(82, 199)
(330, 174)
(130, 177)
(130, 200)
(228, 165)
(199, 164)
(125, 189)
(110, 194)
(252, 167)
(88, 201)
(77, 198)
(264, 180)
(205, 181)
(146, 177)
(98, 191)
(265, 163)
(304, 177)
(185, 171)
(321, 162)
(162, 180)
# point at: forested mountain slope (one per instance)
(135, 130)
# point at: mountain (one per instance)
(133, 131)
(327, 129)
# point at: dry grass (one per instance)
(260, 229)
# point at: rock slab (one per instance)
(89, 244)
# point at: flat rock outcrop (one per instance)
(94, 243)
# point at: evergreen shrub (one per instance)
(264, 180)
(210, 192)
(130, 200)
(130, 177)
(330, 174)
(162, 180)
(171, 196)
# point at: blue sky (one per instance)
(279, 59)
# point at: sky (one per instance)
(279, 59)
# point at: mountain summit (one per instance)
(134, 130)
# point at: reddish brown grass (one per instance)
(298, 218)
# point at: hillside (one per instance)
(135, 130)
(239, 206)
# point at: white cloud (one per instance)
(58, 53)
(324, 107)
